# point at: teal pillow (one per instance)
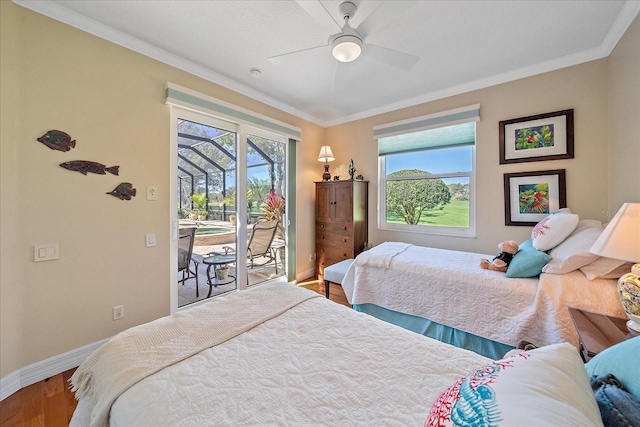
(528, 262)
(620, 360)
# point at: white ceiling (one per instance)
(462, 45)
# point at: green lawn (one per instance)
(454, 214)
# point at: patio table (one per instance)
(217, 261)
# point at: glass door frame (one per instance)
(242, 131)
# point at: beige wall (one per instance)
(582, 87)
(111, 100)
(624, 104)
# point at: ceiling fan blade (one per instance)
(317, 11)
(391, 57)
(339, 76)
(380, 17)
(297, 55)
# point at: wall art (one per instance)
(531, 196)
(124, 191)
(57, 140)
(85, 166)
(536, 138)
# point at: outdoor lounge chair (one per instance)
(186, 237)
(259, 244)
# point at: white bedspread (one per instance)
(318, 363)
(450, 288)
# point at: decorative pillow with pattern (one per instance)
(553, 229)
(545, 386)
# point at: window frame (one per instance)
(428, 229)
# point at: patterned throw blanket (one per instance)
(141, 351)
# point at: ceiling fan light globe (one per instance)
(346, 48)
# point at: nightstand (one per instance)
(598, 332)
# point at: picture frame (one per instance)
(536, 138)
(531, 196)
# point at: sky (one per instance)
(433, 161)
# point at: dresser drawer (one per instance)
(335, 228)
(339, 252)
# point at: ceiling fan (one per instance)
(349, 43)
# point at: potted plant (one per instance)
(200, 206)
(273, 209)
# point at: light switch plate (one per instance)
(152, 192)
(151, 240)
(46, 252)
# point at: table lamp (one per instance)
(621, 240)
(326, 156)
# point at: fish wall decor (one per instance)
(85, 166)
(124, 191)
(57, 140)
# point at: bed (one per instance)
(279, 355)
(446, 295)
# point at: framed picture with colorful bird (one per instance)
(535, 138)
(531, 196)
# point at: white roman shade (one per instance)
(429, 132)
(192, 100)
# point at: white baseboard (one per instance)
(44, 369)
(305, 275)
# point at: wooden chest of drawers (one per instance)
(341, 221)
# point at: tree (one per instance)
(409, 198)
(257, 190)
(459, 191)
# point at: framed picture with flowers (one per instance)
(534, 138)
(531, 196)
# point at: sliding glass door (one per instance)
(266, 204)
(229, 225)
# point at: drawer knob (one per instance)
(344, 240)
(344, 228)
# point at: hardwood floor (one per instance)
(45, 403)
(50, 403)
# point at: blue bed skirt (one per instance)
(488, 348)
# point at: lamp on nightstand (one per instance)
(621, 240)
(326, 156)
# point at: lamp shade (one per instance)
(326, 155)
(621, 238)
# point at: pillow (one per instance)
(620, 360)
(553, 229)
(606, 268)
(545, 386)
(528, 262)
(573, 252)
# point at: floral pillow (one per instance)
(553, 229)
(546, 386)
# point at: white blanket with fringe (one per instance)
(144, 350)
(450, 288)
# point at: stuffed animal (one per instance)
(501, 261)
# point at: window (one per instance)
(426, 170)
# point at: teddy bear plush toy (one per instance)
(501, 261)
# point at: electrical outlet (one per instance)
(118, 312)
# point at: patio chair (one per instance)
(259, 244)
(186, 237)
